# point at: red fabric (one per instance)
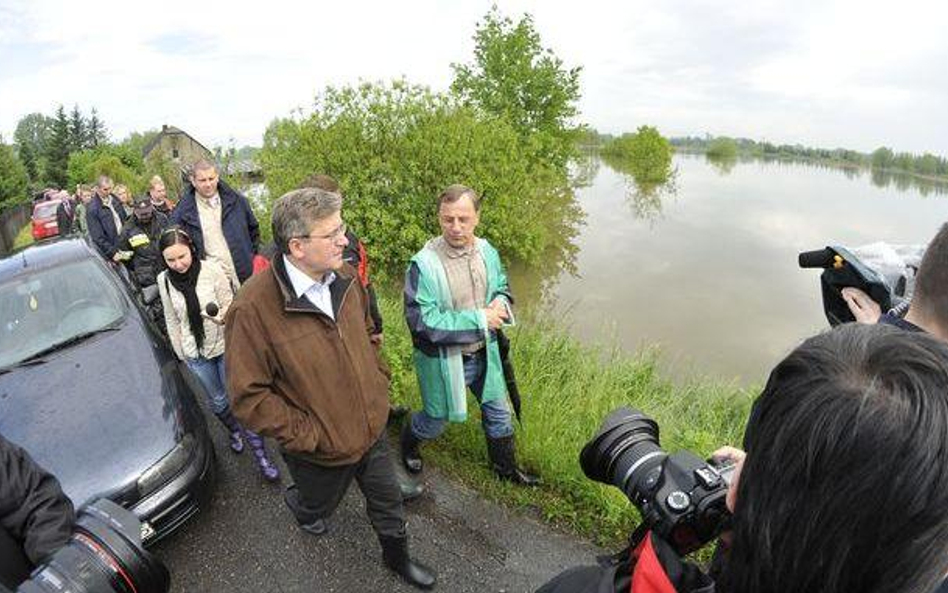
(363, 265)
(649, 575)
(260, 263)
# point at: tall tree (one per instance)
(77, 130)
(882, 158)
(97, 134)
(57, 150)
(513, 76)
(14, 182)
(30, 137)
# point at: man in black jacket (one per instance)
(36, 518)
(105, 217)
(219, 221)
(139, 241)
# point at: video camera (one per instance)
(104, 555)
(681, 497)
(842, 269)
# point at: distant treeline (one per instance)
(882, 158)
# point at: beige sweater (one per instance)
(213, 286)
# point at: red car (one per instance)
(44, 219)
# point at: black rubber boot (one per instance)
(503, 457)
(395, 555)
(408, 443)
(407, 485)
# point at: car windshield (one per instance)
(45, 210)
(54, 306)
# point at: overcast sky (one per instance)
(829, 73)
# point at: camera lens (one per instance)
(625, 453)
(103, 555)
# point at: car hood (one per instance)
(98, 413)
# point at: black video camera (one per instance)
(681, 497)
(104, 555)
(841, 269)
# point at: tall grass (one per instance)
(568, 388)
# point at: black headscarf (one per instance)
(186, 284)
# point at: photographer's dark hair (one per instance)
(930, 300)
(845, 486)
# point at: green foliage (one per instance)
(23, 238)
(515, 78)
(57, 150)
(394, 147)
(30, 137)
(882, 158)
(120, 162)
(646, 155)
(14, 181)
(722, 148)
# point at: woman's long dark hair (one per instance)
(845, 486)
(185, 283)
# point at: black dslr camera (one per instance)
(104, 555)
(680, 496)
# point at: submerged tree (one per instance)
(514, 77)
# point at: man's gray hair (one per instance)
(295, 213)
(104, 180)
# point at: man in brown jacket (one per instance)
(302, 369)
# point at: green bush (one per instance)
(722, 148)
(646, 155)
(122, 163)
(14, 181)
(394, 147)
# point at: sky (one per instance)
(827, 73)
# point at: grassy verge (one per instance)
(23, 238)
(567, 390)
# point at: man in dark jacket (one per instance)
(105, 217)
(36, 518)
(140, 241)
(65, 215)
(220, 222)
(302, 369)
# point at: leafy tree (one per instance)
(927, 164)
(882, 158)
(514, 77)
(14, 182)
(395, 147)
(120, 162)
(646, 155)
(722, 148)
(57, 150)
(31, 135)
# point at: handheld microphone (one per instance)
(820, 258)
(212, 309)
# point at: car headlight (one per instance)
(157, 475)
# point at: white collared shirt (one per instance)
(317, 292)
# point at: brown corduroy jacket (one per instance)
(318, 386)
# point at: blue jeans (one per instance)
(495, 416)
(210, 371)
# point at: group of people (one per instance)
(843, 486)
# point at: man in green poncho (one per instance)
(456, 296)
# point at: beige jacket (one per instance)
(213, 286)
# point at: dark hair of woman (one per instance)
(185, 283)
(845, 485)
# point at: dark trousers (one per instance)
(320, 488)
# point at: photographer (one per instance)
(844, 486)
(929, 308)
(36, 518)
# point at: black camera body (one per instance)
(681, 497)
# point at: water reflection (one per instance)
(903, 182)
(645, 198)
(722, 164)
(705, 267)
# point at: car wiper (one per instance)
(38, 356)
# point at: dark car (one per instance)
(89, 388)
(43, 221)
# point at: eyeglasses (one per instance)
(334, 235)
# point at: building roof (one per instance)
(167, 130)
